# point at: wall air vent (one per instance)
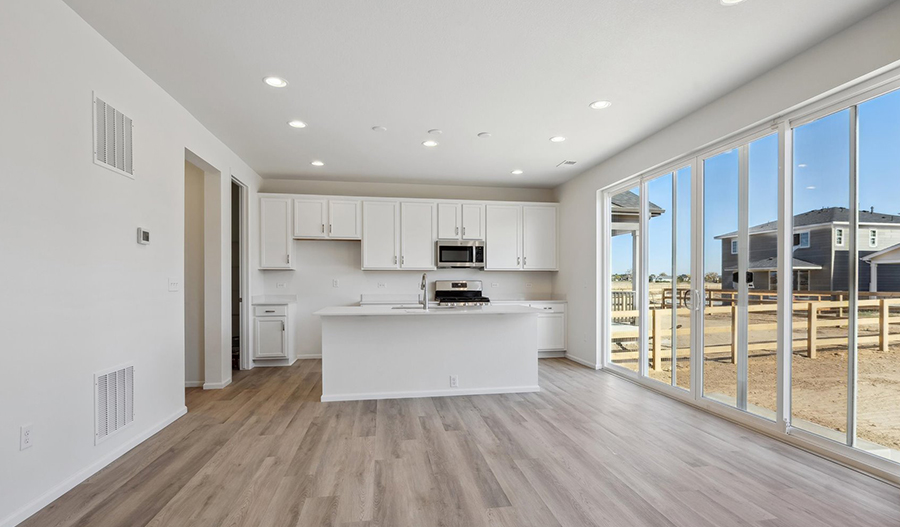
(565, 164)
(112, 139)
(114, 401)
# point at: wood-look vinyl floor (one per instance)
(590, 449)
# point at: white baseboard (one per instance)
(551, 354)
(48, 497)
(583, 362)
(216, 385)
(431, 393)
(193, 384)
(310, 356)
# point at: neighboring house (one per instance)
(625, 210)
(821, 242)
(663, 278)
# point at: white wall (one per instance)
(79, 294)
(320, 262)
(193, 275)
(406, 190)
(871, 44)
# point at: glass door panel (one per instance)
(878, 356)
(624, 263)
(821, 280)
(661, 272)
(720, 265)
(682, 286)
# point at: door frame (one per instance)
(243, 222)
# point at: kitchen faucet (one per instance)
(424, 288)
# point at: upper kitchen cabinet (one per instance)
(275, 233)
(310, 217)
(380, 235)
(418, 229)
(327, 218)
(472, 221)
(460, 221)
(504, 237)
(539, 247)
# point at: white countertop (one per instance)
(273, 300)
(363, 311)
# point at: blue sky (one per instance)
(821, 179)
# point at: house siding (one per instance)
(888, 275)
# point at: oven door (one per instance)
(457, 254)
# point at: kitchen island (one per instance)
(382, 352)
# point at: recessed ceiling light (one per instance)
(599, 105)
(730, 2)
(297, 124)
(379, 129)
(317, 163)
(557, 139)
(801, 165)
(484, 135)
(429, 143)
(810, 188)
(275, 82)
(435, 131)
(516, 172)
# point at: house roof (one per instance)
(628, 201)
(822, 217)
(771, 264)
(889, 255)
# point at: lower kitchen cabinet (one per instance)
(272, 332)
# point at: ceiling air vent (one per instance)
(112, 139)
(114, 397)
(565, 164)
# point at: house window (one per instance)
(873, 238)
(839, 237)
(773, 280)
(733, 246)
(801, 280)
(801, 240)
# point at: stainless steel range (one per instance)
(460, 293)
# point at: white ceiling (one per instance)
(523, 70)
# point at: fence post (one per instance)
(811, 330)
(734, 333)
(884, 325)
(841, 306)
(656, 357)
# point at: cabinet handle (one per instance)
(525, 260)
(457, 230)
(323, 228)
(270, 311)
(402, 260)
(395, 260)
(288, 258)
(282, 325)
(518, 260)
(330, 228)
(464, 230)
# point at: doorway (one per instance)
(240, 358)
(194, 276)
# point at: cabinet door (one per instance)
(381, 235)
(551, 330)
(275, 233)
(271, 337)
(504, 237)
(310, 217)
(417, 235)
(539, 235)
(448, 221)
(344, 219)
(472, 221)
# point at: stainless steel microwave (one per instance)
(456, 253)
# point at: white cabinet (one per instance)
(449, 221)
(272, 332)
(539, 247)
(460, 221)
(417, 235)
(380, 235)
(275, 233)
(310, 217)
(326, 218)
(504, 237)
(472, 221)
(344, 219)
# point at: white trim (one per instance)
(873, 233)
(428, 393)
(800, 240)
(734, 245)
(216, 385)
(308, 356)
(69, 483)
(551, 354)
(583, 362)
(193, 384)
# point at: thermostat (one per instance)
(143, 236)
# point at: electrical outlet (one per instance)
(280, 285)
(454, 381)
(495, 284)
(335, 283)
(528, 284)
(381, 285)
(174, 285)
(26, 437)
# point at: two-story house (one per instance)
(821, 242)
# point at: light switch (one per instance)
(174, 285)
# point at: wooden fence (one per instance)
(819, 315)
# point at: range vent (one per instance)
(565, 164)
(114, 397)
(112, 138)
